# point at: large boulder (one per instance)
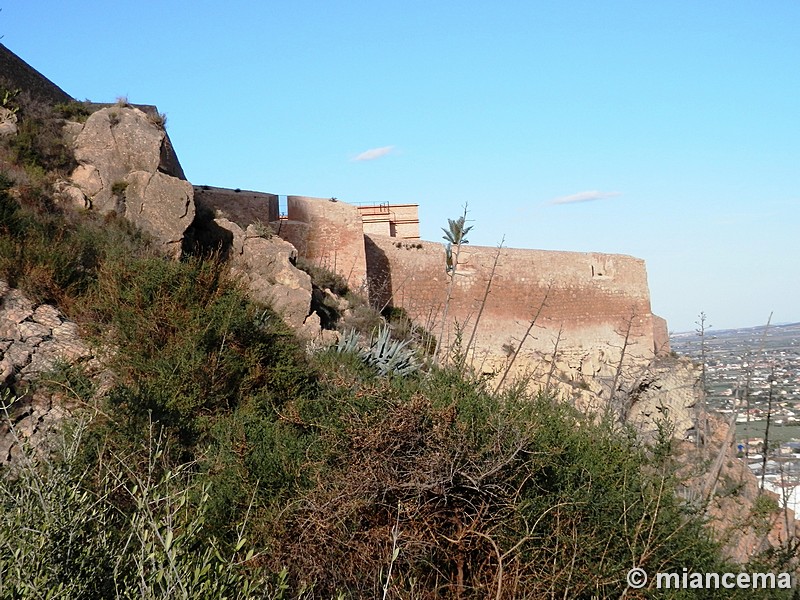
(124, 167)
(8, 122)
(265, 263)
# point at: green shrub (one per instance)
(359, 315)
(56, 255)
(190, 344)
(403, 328)
(362, 318)
(114, 533)
(8, 96)
(119, 187)
(39, 144)
(73, 111)
(158, 119)
(465, 477)
(323, 277)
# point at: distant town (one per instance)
(756, 372)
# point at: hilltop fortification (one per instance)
(579, 322)
(331, 458)
(593, 333)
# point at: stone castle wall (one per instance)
(327, 233)
(661, 335)
(20, 75)
(591, 299)
(241, 206)
(590, 309)
(588, 301)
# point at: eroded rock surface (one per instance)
(265, 263)
(33, 339)
(668, 393)
(124, 167)
(8, 122)
(263, 260)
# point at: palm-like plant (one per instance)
(456, 231)
(454, 235)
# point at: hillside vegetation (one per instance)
(214, 456)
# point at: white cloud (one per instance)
(589, 196)
(374, 153)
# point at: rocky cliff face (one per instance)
(124, 168)
(646, 394)
(747, 520)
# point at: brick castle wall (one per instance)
(589, 301)
(327, 233)
(590, 298)
(661, 336)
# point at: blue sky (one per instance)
(668, 130)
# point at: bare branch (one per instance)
(542, 304)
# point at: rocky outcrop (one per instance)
(646, 394)
(265, 263)
(33, 339)
(668, 393)
(31, 420)
(124, 167)
(8, 123)
(745, 519)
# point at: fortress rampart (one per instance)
(587, 306)
(327, 233)
(591, 310)
(21, 75)
(587, 303)
(245, 207)
(590, 305)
